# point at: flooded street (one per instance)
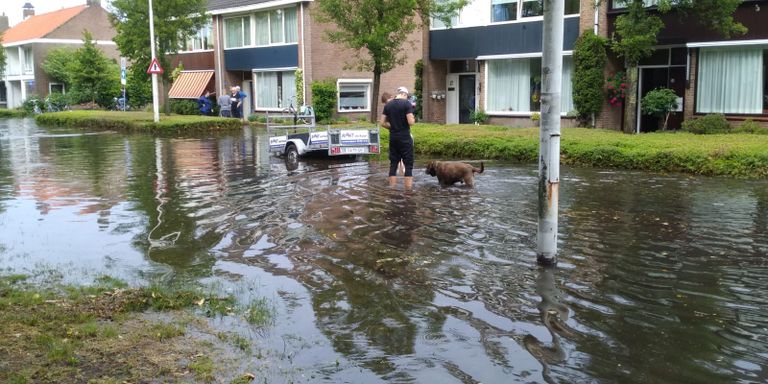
(661, 278)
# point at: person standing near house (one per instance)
(225, 105)
(398, 118)
(234, 102)
(240, 97)
(204, 104)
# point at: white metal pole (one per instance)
(549, 134)
(155, 99)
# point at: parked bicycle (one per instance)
(119, 104)
(304, 115)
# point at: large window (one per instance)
(509, 10)
(201, 40)
(237, 31)
(618, 4)
(354, 95)
(28, 60)
(514, 85)
(732, 80)
(275, 89)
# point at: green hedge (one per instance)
(136, 121)
(324, 99)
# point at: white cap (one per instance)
(402, 90)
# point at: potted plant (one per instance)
(536, 117)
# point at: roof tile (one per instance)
(41, 25)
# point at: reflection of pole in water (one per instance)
(160, 188)
(553, 315)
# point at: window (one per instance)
(354, 96)
(507, 10)
(238, 32)
(275, 89)
(28, 60)
(278, 26)
(619, 4)
(202, 40)
(514, 85)
(56, 88)
(732, 80)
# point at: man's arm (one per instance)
(384, 121)
(411, 119)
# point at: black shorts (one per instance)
(401, 149)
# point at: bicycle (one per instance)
(304, 115)
(119, 104)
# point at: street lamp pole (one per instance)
(155, 99)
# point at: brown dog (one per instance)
(450, 172)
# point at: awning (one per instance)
(191, 85)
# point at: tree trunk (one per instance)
(630, 101)
(375, 94)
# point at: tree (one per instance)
(589, 58)
(2, 56)
(378, 29)
(59, 65)
(660, 102)
(635, 35)
(175, 20)
(94, 78)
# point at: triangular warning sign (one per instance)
(154, 67)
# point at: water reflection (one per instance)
(660, 278)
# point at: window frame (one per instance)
(203, 35)
(280, 90)
(27, 59)
(519, 13)
(242, 33)
(63, 88)
(368, 83)
(253, 36)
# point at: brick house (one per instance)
(28, 43)
(259, 45)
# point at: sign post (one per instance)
(123, 81)
(154, 67)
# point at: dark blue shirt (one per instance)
(396, 112)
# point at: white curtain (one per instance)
(566, 90)
(509, 88)
(262, 28)
(289, 89)
(730, 80)
(276, 26)
(266, 90)
(291, 26)
(234, 32)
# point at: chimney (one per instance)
(93, 3)
(28, 11)
(3, 23)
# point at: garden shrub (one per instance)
(750, 126)
(28, 105)
(418, 86)
(184, 107)
(707, 124)
(478, 116)
(324, 99)
(660, 102)
(589, 58)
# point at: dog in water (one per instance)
(451, 172)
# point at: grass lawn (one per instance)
(737, 155)
(136, 121)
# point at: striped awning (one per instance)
(191, 85)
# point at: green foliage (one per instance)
(138, 87)
(3, 58)
(184, 107)
(716, 15)
(589, 58)
(707, 124)
(535, 116)
(751, 126)
(28, 105)
(175, 20)
(635, 33)
(659, 102)
(324, 99)
(419, 88)
(136, 121)
(299, 87)
(94, 78)
(60, 64)
(478, 116)
(177, 71)
(58, 100)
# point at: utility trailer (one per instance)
(296, 135)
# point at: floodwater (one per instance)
(661, 278)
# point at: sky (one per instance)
(12, 8)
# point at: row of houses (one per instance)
(489, 58)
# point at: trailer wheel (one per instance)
(292, 155)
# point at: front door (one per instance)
(466, 98)
(665, 77)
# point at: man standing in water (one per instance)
(398, 118)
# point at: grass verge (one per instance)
(735, 155)
(110, 333)
(136, 121)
